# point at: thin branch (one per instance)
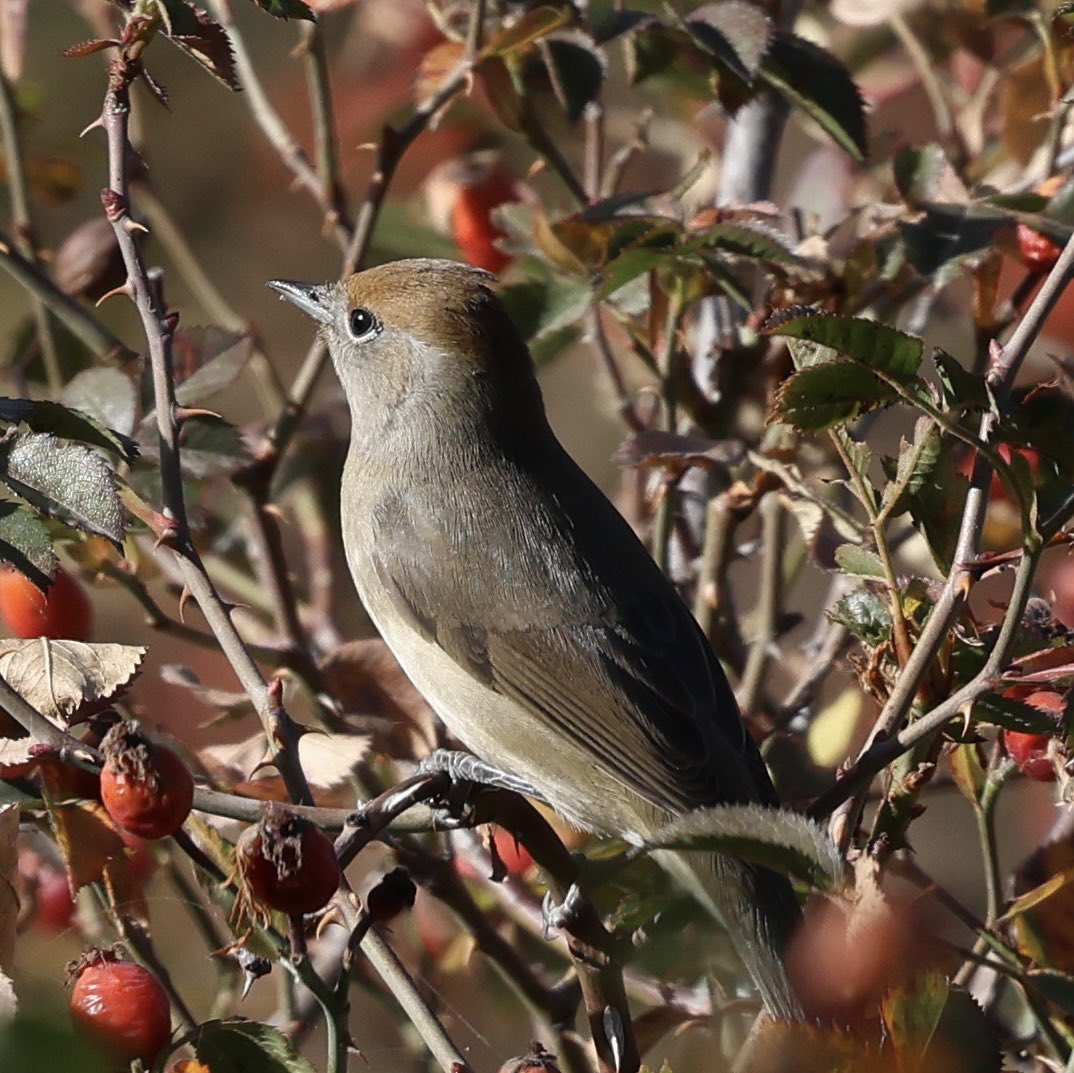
(23, 226)
(159, 328)
(398, 981)
(273, 127)
(769, 600)
(81, 323)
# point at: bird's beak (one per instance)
(311, 298)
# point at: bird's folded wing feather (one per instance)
(636, 687)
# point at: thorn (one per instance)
(276, 511)
(130, 225)
(124, 288)
(333, 915)
(184, 596)
(97, 124)
(186, 413)
(167, 537)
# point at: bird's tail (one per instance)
(759, 910)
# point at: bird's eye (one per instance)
(362, 323)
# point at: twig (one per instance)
(274, 128)
(23, 226)
(769, 600)
(324, 125)
(391, 971)
(82, 324)
(158, 328)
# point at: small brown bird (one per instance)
(518, 599)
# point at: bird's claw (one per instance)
(560, 917)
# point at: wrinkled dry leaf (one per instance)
(87, 838)
(380, 700)
(676, 452)
(16, 751)
(328, 762)
(9, 899)
(67, 681)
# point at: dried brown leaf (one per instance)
(372, 688)
(67, 681)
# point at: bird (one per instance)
(518, 599)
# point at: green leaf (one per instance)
(924, 174)
(865, 615)
(287, 9)
(915, 463)
(821, 396)
(649, 52)
(52, 417)
(212, 447)
(236, 1046)
(813, 80)
(1013, 714)
(26, 544)
(948, 233)
(576, 69)
(933, 1025)
(860, 562)
(216, 356)
(64, 480)
(961, 390)
(785, 841)
(105, 394)
(873, 344)
(1055, 986)
(935, 496)
(733, 26)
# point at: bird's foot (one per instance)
(463, 767)
(560, 917)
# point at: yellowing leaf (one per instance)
(831, 733)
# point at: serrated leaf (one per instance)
(961, 390)
(865, 615)
(212, 447)
(46, 416)
(743, 28)
(933, 1025)
(1057, 987)
(64, 680)
(286, 9)
(915, 463)
(105, 394)
(784, 841)
(874, 345)
(206, 42)
(813, 80)
(64, 480)
(860, 562)
(649, 52)
(821, 396)
(211, 358)
(576, 70)
(237, 1046)
(25, 544)
(1013, 714)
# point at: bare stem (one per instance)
(159, 328)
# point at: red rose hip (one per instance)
(120, 1006)
(288, 863)
(145, 787)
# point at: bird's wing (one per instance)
(633, 683)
